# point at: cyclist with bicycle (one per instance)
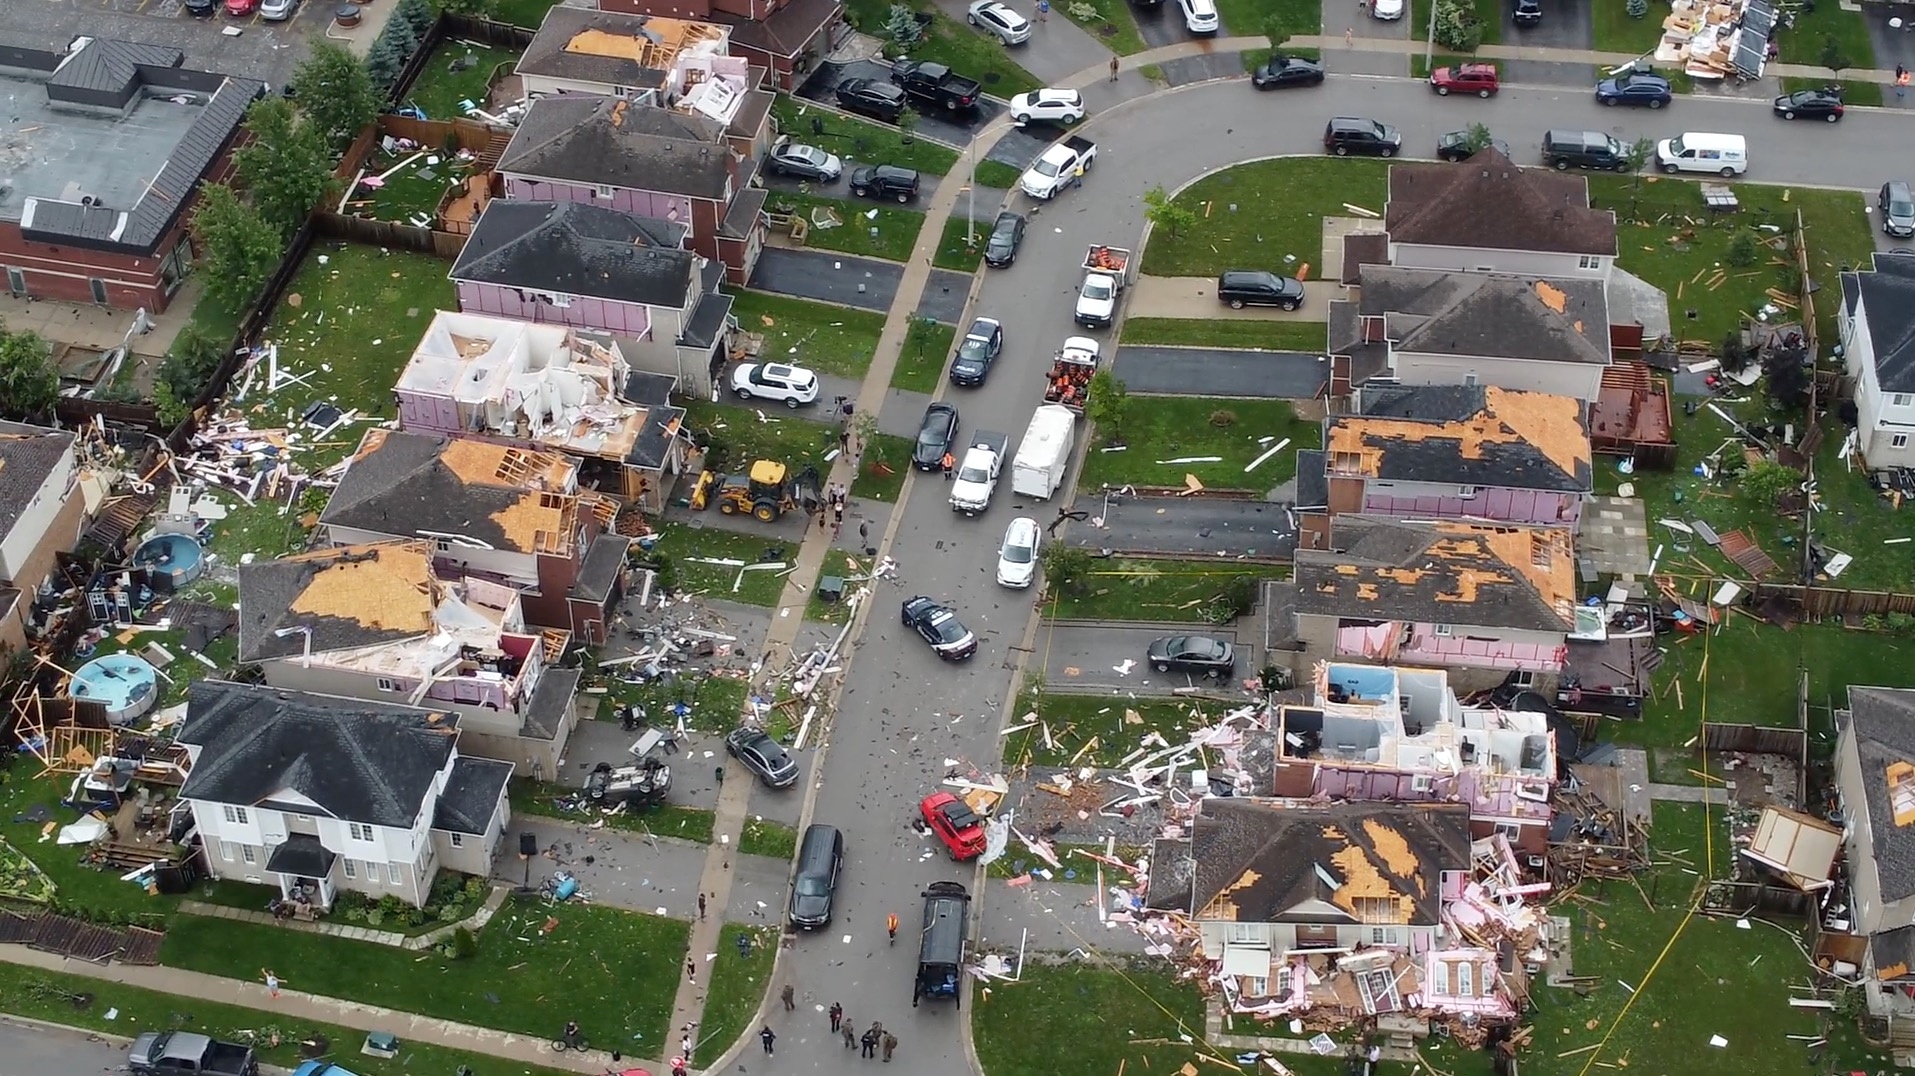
(573, 1039)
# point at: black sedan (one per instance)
(879, 100)
(1280, 71)
(1811, 105)
(940, 627)
(1460, 146)
(1238, 288)
(884, 181)
(762, 755)
(976, 352)
(1635, 88)
(805, 162)
(1198, 654)
(201, 8)
(1000, 250)
(936, 434)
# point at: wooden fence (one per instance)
(386, 233)
(1755, 739)
(1822, 603)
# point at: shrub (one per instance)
(1901, 623)
(1223, 418)
(465, 944)
(1744, 249)
(1457, 27)
(1066, 568)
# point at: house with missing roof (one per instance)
(789, 37)
(314, 794)
(1337, 905)
(110, 143)
(548, 388)
(1875, 787)
(1877, 322)
(650, 162)
(1448, 452)
(41, 516)
(377, 622)
(1488, 603)
(494, 512)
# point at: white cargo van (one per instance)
(1699, 151)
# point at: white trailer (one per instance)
(1044, 453)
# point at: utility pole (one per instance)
(1429, 40)
(970, 192)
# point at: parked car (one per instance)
(1898, 209)
(999, 21)
(884, 181)
(977, 351)
(1563, 149)
(1200, 16)
(956, 826)
(1280, 71)
(1049, 106)
(806, 162)
(1461, 146)
(1198, 654)
(936, 84)
(1526, 13)
(1823, 104)
(939, 626)
(277, 10)
(794, 385)
(869, 97)
(1345, 135)
(815, 880)
(936, 434)
(765, 757)
(1479, 79)
(241, 8)
(1000, 250)
(1017, 555)
(1635, 88)
(1238, 288)
(1387, 10)
(201, 8)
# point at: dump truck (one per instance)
(186, 1053)
(767, 491)
(1044, 453)
(1058, 167)
(1106, 272)
(1068, 383)
(977, 472)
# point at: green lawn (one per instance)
(1804, 43)
(859, 139)
(50, 996)
(823, 337)
(965, 49)
(864, 227)
(614, 972)
(927, 348)
(1612, 30)
(1075, 869)
(962, 247)
(1157, 590)
(666, 820)
(1101, 1010)
(685, 543)
(1075, 720)
(440, 89)
(1278, 210)
(407, 194)
(1112, 25)
(837, 562)
(1855, 92)
(1667, 239)
(715, 701)
(75, 885)
(997, 175)
(762, 837)
(351, 323)
(737, 988)
(1245, 18)
(1233, 332)
(736, 433)
(1173, 427)
(882, 468)
(527, 13)
(223, 652)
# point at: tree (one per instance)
(29, 382)
(1164, 212)
(286, 168)
(1636, 9)
(1637, 155)
(483, 9)
(1766, 480)
(1833, 57)
(238, 247)
(1457, 27)
(901, 25)
(335, 91)
(189, 364)
(1277, 30)
(1744, 249)
(1478, 138)
(419, 15)
(1107, 406)
(1066, 568)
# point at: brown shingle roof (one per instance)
(1487, 202)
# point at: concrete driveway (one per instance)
(1080, 656)
(1185, 526)
(1211, 371)
(1565, 25)
(1196, 297)
(614, 866)
(864, 283)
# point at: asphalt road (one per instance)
(904, 714)
(33, 1051)
(1209, 371)
(1085, 657)
(1198, 527)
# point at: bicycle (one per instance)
(891, 928)
(571, 1041)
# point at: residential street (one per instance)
(32, 1051)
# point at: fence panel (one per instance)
(1823, 602)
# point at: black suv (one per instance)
(884, 181)
(1345, 135)
(1239, 288)
(879, 100)
(1563, 150)
(1527, 12)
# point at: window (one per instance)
(359, 831)
(1441, 984)
(1899, 399)
(1256, 987)
(1522, 678)
(1442, 631)
(1466, 492)
(558, 299)
(235, 815)
(1900, 440)
(304, 817)
(1244, 934)
(386, 683)
(458, 840)
(393, 874)
(1421, 782)
(1465, 980)
(603, 190)
(351, 868)
(1509, 830)
(226, 851)
(1382, 936)
(246, 853)
(442, 545)
(1589, 261)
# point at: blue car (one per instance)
(1635, 88)
(319, 1068)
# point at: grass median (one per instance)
(1163, 591)
(1160, 429)
(1254, 333)
(1098, 729)
(739, 979)
(547, 799)
(1254, 215)
(692, 547)
(927, 347)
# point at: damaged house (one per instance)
(1877, 321)
(1875, 784)
(1378, 734)
(1489, 603)
(375, 622)
(1448, 452)
(42, 511)
(490, 512)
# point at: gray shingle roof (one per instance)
(548, 54)
(28, 455)
(787, 31)
(1450, 572)
(1491, 315)
(403, 488)
(1887, 298)
(105, 66)
(603, 560)
(589, 140)
(268, 591)
(578, 249)
(1489, 203)
(1883, 723)
(359, 761)
(550, 703)
(471, 795)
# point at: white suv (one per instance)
(1048, 106)
(795, 385)
(1200, 16)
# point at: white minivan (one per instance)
(1698, 151)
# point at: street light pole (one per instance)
(1429, 40)
(970, 192)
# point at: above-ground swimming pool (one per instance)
(170, 556)
(125, 683)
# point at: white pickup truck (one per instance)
(1058, 167)
(977, 472)
(1106, 271)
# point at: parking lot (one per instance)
(269, 51)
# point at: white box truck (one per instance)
(1044, 453)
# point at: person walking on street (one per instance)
(837, 1015)
(869, 1040)
(785, 996)
(685, 1041)
(1349, 37)
(767, 1036)
(850, 1037)
(691, 971)
(1901, 81)
(272, 981)
(890, 1044)
(1114, 63)
(678, 1066)
(891, 925)
(701, 906)
(1043, 10)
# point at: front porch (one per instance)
(302, 867)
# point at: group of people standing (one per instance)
(874, 1041)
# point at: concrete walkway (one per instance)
(397, 939)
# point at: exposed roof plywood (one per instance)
(1550, 424)
(386, 586)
